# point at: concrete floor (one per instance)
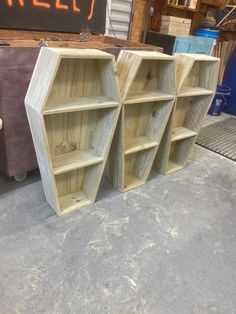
(167, 247)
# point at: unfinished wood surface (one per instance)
(189, 112)
(183, 128)
(135, 144)
(196, 85)
(137, 168)
(147, 84)
(179, 153)
(145, 75)
(78, 107)
(196, 74)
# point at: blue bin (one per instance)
(202, 32)
(230, 80)
(220, 100)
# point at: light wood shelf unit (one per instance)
(73, 104)
(147, 84)
(196, 85)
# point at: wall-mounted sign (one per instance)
(54, 15)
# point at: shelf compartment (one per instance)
(153, 80)
(144, 124)
(76, 139)
(189, 112)
(179, 153)
(137, 168)
(181, 133)
(81, 82)
(76, 188)
(196, 74)
(74, 104)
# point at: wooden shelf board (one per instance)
(212, 3)
(137, 144)
(181, 7)
(194, 91)
(146, 96)
(182, 133)
(73, 201)
(132, 182)
(79, 104)
(198, 57)
(172, 167)
(75, 160)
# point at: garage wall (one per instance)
(118, 18)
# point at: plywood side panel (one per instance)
(42, 152)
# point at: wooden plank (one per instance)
(196, 84)
(194, 91)
(138, 143)
(145, 96)
(74, 104)
(181, 133)
(75, 160)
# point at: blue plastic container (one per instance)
(202, 32)
(220, 100)
(230, 80)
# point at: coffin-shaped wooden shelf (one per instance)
(196, 84)
(147, 82)
(73, 104)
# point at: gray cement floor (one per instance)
(167, 247)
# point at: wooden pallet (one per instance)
(147, 84)
(196, 84)
(73, 104)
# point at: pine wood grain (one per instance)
(196, 84)
(147, 84)
(73, 104)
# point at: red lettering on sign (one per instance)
(91, 10)
(61, 6)
(75, 8)
(58, 5)
(37, 3)
(10, 3)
